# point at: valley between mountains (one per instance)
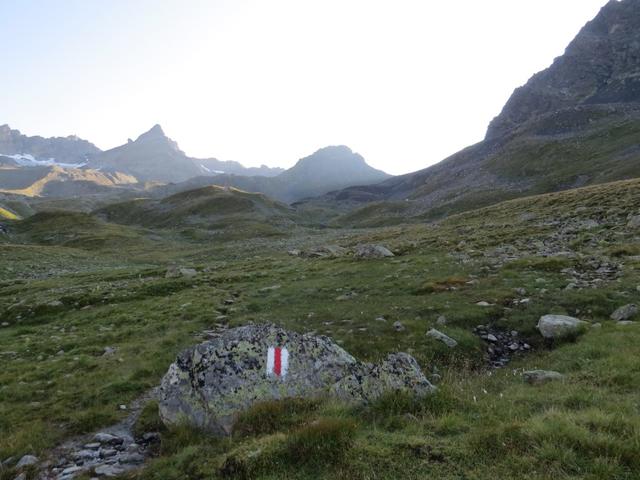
(509, 275)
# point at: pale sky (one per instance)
(403, 82)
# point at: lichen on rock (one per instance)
(210, 383)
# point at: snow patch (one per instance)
(28, 160)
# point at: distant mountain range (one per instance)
(37, 166)
(576, 123)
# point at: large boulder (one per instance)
(210, 383)
(558, 326)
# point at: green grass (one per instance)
(59, 291)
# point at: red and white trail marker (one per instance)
(277, 361)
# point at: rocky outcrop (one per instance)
(210, 383)
(69, 149)
(600, 66)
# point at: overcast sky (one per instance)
(403, 82)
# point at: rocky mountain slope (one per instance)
(574, 124)
(65, 150)
(151, 157)
(327, 169)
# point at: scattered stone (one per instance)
(398, 326)
(109, 470)
(558, 326)
(483, 304)
(372, 251)
(448, 341)
(492, 338)
(108, 439)
(295, 252)
(442, 320)
(625, 322)
(109, 351)
(131, 458)
(271, 288)
(84, 454)
(92, 446)
(177, 272)
(326, 251)
(55, 304)
(625, 313)
(70, 470)
(27, 460)
(22, 476)
(634, 222)
(346, 296)
(536, 377)
(5, 324)
(211, 382)
(381, 319)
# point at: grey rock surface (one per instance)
(438, 335)
(625, 312)
(536, 377)
(27, 460)
(210, 383)
(372, 251)
(558, 326)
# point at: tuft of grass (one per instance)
(273, 416)
(322, 442)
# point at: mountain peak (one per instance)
(155, 132)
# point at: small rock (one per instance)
(27, 460)
(442, 320)
(398, 326)
(22, 476)
(84, 454)
(536, 377)
(492, 338)
(108, 452)
(5, 324)
(483, 304)
(131, 458)
(177, 272)
(109, 470)
(107, 438)
(625, 322)
(108, 351)
(634, 222)
(372, 251)
(381, 319)
(70, 470)
(269, 289)
(92, 446)
(625, 313)
(448, 341)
